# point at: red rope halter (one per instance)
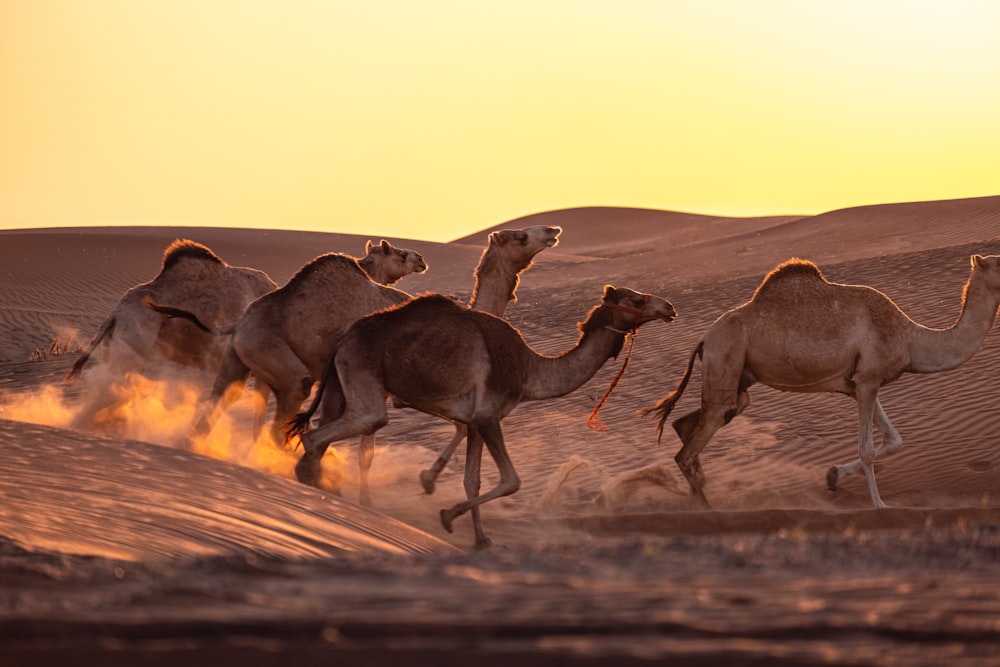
(593, 421)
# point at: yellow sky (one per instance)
(433, 119)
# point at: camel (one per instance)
(801, 333)
(508, 253)
(460, 364)
(285, 337)
(133, 338)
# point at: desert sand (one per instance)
(125, 546)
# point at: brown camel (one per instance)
(459, 364)
(801, 333)
(285, 337)
(133, 338)
(508, 253)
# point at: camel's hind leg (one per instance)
(228, 385)
(891, 442)
(261, 392)
(364, 414)
(509, 481)
(695, 430)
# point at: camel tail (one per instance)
(106, 330)
(170, 311)
(666, 404)
(330, 381)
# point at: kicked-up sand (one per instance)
(131, 545)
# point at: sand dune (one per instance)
(609, 502)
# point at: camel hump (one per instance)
(328, 263)
(792, 269)
(187, 249)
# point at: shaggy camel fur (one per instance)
(285, 337)
(466, 366)
(133, 338)
(508, 253)
(801, 333)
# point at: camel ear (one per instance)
(386, 247)
(499, 238)
(368, 247)
(978, 261)
(610, 293)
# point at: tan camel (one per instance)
(462, 365)
(801, 333)
(133, 338)
(285, 337)
(508, 253)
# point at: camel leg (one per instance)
(509, 481)
(474, 452)
(687, 458)
(227, 388)
(429, 477)
(867, 398)
(891, 442)
(365, 414)
(261, 393)
(711, 420)
(366, 454)
(276, 365)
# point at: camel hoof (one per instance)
(447, 516)
(307, 471)
(427, 481)
(484, 543)
(831, 478)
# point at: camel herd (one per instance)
(466, 364)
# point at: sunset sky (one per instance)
(433, 119)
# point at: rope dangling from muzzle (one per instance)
(593, 421)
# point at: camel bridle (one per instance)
(638, 312)
(593, 422)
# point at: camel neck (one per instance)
(550, 377)
(496, 283)
(375, 272)
(943, 349)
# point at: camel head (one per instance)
(520, 245)
(386, 264)
(628, 310)
(988, 270)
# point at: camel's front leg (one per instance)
(509, 481)
(866, 397)
(891, 442)
(366, 454)
(429, 477)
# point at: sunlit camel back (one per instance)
(801, 333)
(134, 338)
(285, 337)
(467, 366)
